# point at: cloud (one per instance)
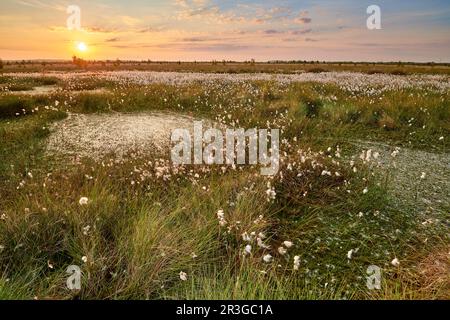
(55, 5)
(187, 3)
(216, 47)
(272, 31)
(130, 21)
(181, 3)
(57, 28)
(219, 47)
(199, 39)
(302, 20)
(292, 32)
(244, 14)
(151, 29)
(300, 32)
(302, 17)
(100, 30)
(290, 40)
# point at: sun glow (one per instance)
(82, 47)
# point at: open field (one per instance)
(396, 68)
(364, 180)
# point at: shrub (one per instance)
(398, 72)
(93, 103)
(20, 87)
(48, 81)
(312, 106)
(268, 92)
(317, 70)
(10, 106)
(352, 116)
(4, 79)
(387, 122)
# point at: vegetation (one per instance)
(149, 231)
(232, 66)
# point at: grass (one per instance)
(25, 84)
(234, 67)
(145, 222)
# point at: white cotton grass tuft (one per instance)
(248, 250)
(183, 276)
(86, 230)
(220, 214)
(221, 217)
(246, 237)
(288, 244)
(395, 262)
(296, 262)
(267, 258)
(261, 244)
(351, 252)
(395, 153)
(83, 201)
(282, 251)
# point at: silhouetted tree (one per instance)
(79, 62)
(1, 64)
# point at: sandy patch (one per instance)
(419, 180)
(47, 90)
(40, 90)
(98, 135)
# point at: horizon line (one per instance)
(291, 61)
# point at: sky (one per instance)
(203, 30)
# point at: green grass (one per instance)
(139, 230)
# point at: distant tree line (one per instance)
(79, 62)
(398, 63)
(83, 63)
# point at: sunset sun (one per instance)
(224, 159)
(82, 47)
